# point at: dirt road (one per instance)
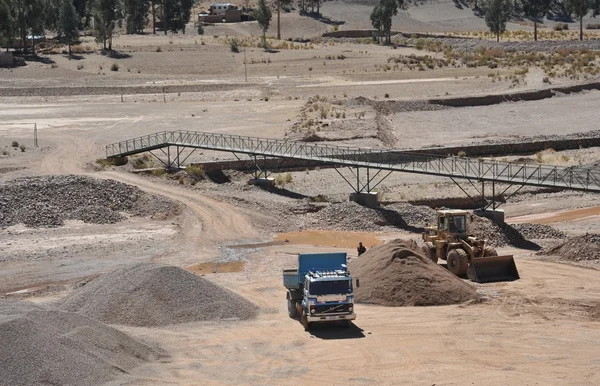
(532, 331)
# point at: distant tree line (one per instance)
(20, 19)
(497, 13)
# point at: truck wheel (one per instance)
(429, 251)
(292, 312)
(304, 320)
(458, 262)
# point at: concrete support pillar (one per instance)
(368, 199)
(268, 182)
(496, 215)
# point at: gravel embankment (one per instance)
(49, 347)
(49, 201)
(150, 295)
(578, 248)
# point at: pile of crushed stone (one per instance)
(532, 231)
(148, 295)
(351, 216)
(577, 248)
(50, 200)
(395, 274)
(499, 234)
(49, 347)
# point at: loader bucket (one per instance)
(492, 268)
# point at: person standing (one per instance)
(361, 248)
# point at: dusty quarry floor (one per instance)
(534, 331)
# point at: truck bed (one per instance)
(291, 279)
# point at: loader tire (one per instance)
(429, 251)
(489, 251)
(458, 262)
(304, 321)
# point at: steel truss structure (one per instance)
(383, 161)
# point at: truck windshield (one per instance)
(331, 287)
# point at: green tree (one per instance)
(263, 15)
(136, 15)
(377, 21)
(30, 18)
(497, 14)
(536, 10)
(107, 16)
(8, 27)
(580, 8)
(68, 22)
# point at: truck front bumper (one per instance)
(330, 318)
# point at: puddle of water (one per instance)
(213, 267)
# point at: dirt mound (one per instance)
(46, 347)
(49, 201)
(147, 294)
(578, 248)
(394, 274)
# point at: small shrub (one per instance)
(5, 152)
(561, 27)
(462, 153)
(200, 29)
(54, 65)
(539, 157)
(196, 171)
(233, 46)
(158, 49)
(114, 67)
(266, 99)
(23, 148)
(320, 198)
(15, 144)
(288, 178)
(80, 66)
(387, 95)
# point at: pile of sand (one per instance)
(577, 248)
(43, 347)
(147, 294)
(395, 274)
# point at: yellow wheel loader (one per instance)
(465, 254)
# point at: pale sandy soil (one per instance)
(533, 331)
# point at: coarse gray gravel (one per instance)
(150, 295)
(49, 347)
(577, 248)
(538, 231)
(49, 201)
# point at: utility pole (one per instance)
(35, 136)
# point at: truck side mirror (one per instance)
(357, 283)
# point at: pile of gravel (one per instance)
(351, 216)
(49, 347)
(395, 274)
(415, 215)
(538, 231)
(499, 235)
(149, 295)
(49, 201)
(577, 248)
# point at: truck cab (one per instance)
(320, 290)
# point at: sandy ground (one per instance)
(533, 331)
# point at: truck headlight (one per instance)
(312, 310)
(350, 308)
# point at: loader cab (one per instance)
(453, 222)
